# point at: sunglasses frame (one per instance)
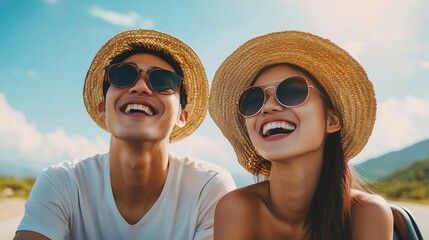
(276, 88)
(139, 71)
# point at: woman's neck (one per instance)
(292, 186)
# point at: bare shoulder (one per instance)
(29, 235)
(242, 202)
(237, 213)
(371, 216)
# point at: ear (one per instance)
(333, 122)
(102, 109)
(182, 118)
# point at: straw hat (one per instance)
(339, 73)
(195, 79)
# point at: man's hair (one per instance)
(137, 48)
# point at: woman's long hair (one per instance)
(332, 198)
(329, 213)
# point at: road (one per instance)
(8, 227)
(420, 213)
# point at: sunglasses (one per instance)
(290, 92)
(123, 75)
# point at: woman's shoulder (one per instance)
(238, 212)
(244, 203)
(364, 200)
(242, 199)
(370, 216)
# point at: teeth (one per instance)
(138, 107)
(279, 124)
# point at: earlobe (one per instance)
(102, 109)
(181, 118)
(333, 122)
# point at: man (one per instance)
(147, 89)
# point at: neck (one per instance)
(292, 186)
(137, 170)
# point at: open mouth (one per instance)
(276, 128)
(138, 108)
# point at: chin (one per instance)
(290, 152)
(278, 156)
(137, 136)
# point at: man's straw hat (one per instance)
(195, 79)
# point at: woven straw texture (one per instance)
(195, 79)
(340, 74)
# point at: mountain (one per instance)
(408, 183)
(378, 168)
(417, 172)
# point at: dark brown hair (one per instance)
(141, 48)
(329, 213)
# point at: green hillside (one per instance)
(418, 172)
(378, 168)
(409, 183)
(15, 187)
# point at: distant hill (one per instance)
(378, 168)
(417, 172)
(409, 183)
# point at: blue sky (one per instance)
(46, 47)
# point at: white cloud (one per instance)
(400, 123)
(384, 27)
(131, 19)
(21, 140)
(201, 147)
(424, 65)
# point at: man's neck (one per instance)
(138, 174)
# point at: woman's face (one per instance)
(279, 132)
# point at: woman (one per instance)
(296, 108)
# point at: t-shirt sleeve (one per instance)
(215, 188)
(47, 210)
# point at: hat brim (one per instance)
(195, 79)
(338, 72)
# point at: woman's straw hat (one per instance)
(339, 73)
(195, 79)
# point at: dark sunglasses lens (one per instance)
(251, 101)
(292, 92)
(164, 82)
(123, 75)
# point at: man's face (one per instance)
(137, 113)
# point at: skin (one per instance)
(139, 143)
(276, 209)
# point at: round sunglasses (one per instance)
(290, 92)
(123, 75)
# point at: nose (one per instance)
(142, 84)
(271, 104)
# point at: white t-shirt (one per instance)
(74, 200)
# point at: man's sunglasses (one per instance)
(290, 92)
(123, 75)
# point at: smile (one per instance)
(277, 127)
(138, 108)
